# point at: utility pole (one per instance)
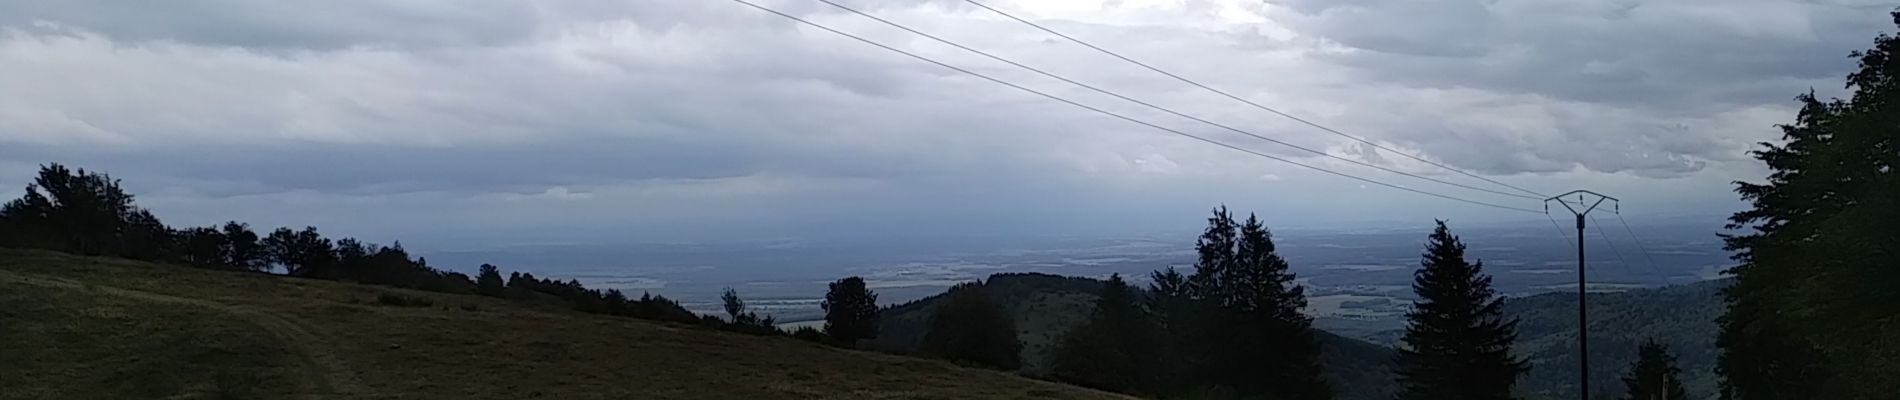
(1583, 320)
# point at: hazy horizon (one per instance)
(786, 277)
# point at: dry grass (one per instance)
(77, 327)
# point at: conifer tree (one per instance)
(1277, 355)
(1198, 324)
(1457, 343)
(1115, 349)
(1215, 255)
(1810, 315)
(1654, 375)
(1173, 311)
(1241, 328)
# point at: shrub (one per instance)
(810, 334)
(393, 299)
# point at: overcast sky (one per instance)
(494, 122)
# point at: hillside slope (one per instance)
(1046, 306)
(1682, 317)
(78, 327)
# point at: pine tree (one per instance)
(1174, 315)
(1215, 250)
(488, 282)
(1810, 314)
(850, 311)
(1240, 327)
(1654, 375)
(1263, 300)
(969, 327)
(1115, 349)
(1202, 328)
(1457, 344)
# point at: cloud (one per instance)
(1688, 54)
(1618, 86)
(494, 115)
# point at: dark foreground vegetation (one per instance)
(1814, 313)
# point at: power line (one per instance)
(1119, 116)
(1633, 238)
(1243, 100)
(1621, 260)
(1165, 109)
(1612, 243)
(1560, 230)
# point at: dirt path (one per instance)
(333, 378)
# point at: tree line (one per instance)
(1233, 328)
(89, 213)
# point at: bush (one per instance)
(810, 334)
(393, 299)
(969, 328)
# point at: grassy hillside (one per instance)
(77, 328)
(1045, 306)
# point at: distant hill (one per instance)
(1045, 306)
(80, 327)
(1681, 316)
